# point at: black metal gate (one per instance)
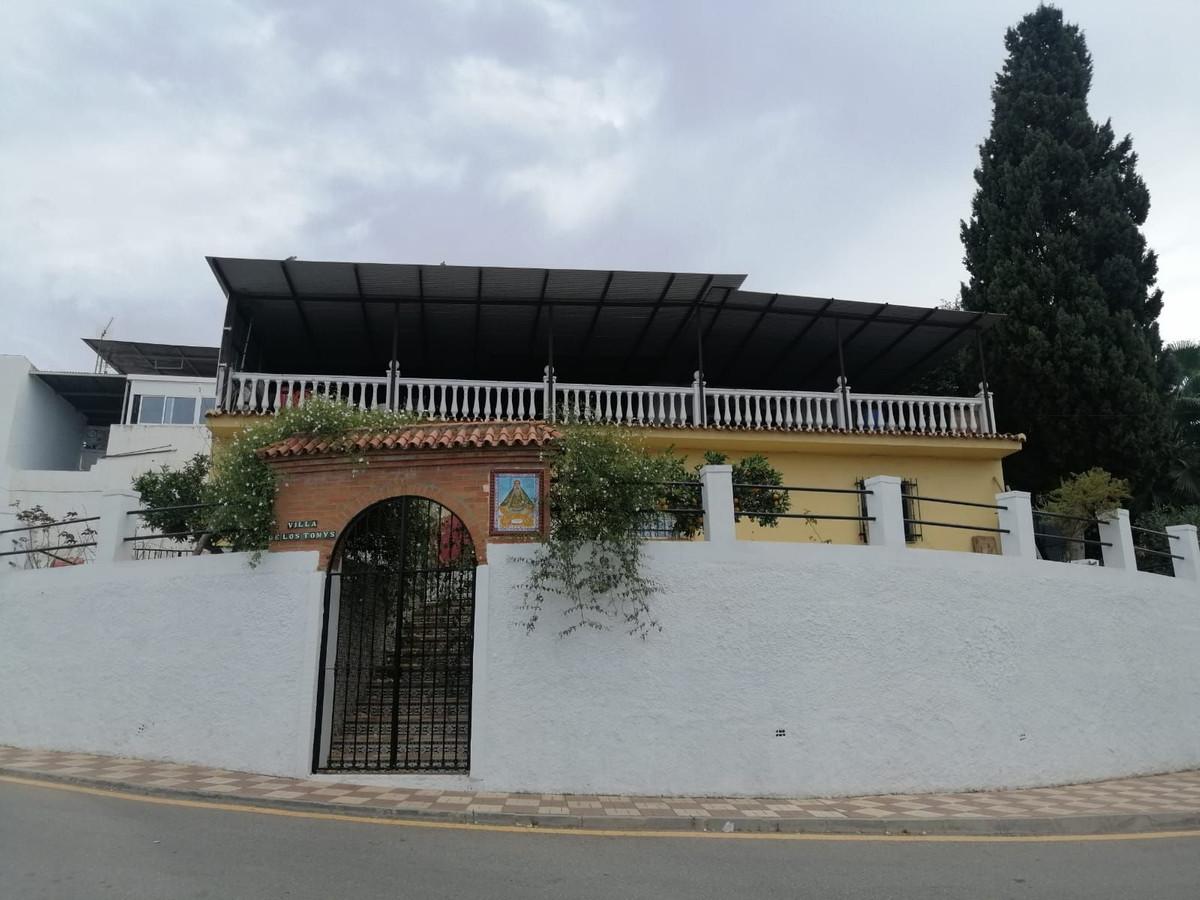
(399, 626)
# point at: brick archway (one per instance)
(321, 489)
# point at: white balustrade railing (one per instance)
(444, 398)
(257, 392)
(651, 405)
(920, 415)
(775, 410)
(624, 404)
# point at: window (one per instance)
(910, 504)
(165, 410)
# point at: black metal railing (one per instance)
(1154, 560)
(664, 523)
(32, 548)
(961, 525)
(142, 512)
(859, 492)
(1052, 544)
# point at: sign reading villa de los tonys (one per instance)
(303, 530)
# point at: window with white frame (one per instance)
(149, 409)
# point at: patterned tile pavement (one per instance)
(1177, 793)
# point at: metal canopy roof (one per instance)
(98, 397)
(609, 327)
(139, 358)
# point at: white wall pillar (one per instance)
(1117, 531)
(716, 494)
(115, 525)
(1016, 517)
(1183, 542)
(885, 505)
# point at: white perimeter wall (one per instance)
(201, 660)
(891, 671)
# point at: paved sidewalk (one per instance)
(1152, 802)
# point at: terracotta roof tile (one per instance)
(432, 436)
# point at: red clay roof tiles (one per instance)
(432, 436)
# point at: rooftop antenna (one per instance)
(101, 367)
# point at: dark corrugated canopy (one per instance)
(607, 326)
(140, 358)
(98, 397)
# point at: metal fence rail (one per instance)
(49, 551)
(859, 492)
(933, 523)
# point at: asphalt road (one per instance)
(65, 845)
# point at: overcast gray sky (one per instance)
(823, 148)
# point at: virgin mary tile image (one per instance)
(518, 501)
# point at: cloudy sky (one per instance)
(823, 148)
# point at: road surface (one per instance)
(66, 844)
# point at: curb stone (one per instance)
(1067, 826)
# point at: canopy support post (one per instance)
(843, 383)
(549, 412)
(989, 424)
(393, 363)
(701, 412)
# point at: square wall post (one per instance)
(886, 507)
(1017, 519)
(1116, 531)
(1183, 543)
(716, 494)
(115, 525)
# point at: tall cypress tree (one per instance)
(1054, 242)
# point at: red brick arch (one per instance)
(332, 489)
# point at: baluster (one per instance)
(521, 402)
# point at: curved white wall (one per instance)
(200, 659)
(890, 671)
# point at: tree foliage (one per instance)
(167, 487)
(45, 542)
(241, 487)
(1091, 495)
(1054, 242)
(603, 482)
(605, 486)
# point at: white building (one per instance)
(67, 437)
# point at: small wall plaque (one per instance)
(303, 530)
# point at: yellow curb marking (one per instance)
(602, 832)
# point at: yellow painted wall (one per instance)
(951, 468)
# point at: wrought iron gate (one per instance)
(399, 626)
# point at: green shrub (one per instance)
(241, 487)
